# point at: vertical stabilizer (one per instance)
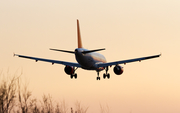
(79, 35)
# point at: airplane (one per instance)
(88, 60)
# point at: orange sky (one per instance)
(127, 29)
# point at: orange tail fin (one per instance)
(79, 35)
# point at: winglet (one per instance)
(79, 35)
(14, 54)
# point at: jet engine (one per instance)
(69, 70)
(118, 70)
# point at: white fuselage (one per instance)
(89, 61)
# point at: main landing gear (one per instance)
(74, 75)
(98, 78)
(105, 75)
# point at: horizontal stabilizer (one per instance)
(62, 50)
(90, 51)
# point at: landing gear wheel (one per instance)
(108, 75)
(98, 78)
(104, 75)
(71, 76)
(75, 76)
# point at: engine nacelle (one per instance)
(118, 70)
(69, 70)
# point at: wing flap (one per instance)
(49, 60)
(127, 61)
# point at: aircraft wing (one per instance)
(49, 60)
(127, 61)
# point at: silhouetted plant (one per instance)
(33, 106)
(8, 94)
(24, 97)
(47, 106)
(79, 108)
(16, 98)
(63, 108)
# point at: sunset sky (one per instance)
(126, 28)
